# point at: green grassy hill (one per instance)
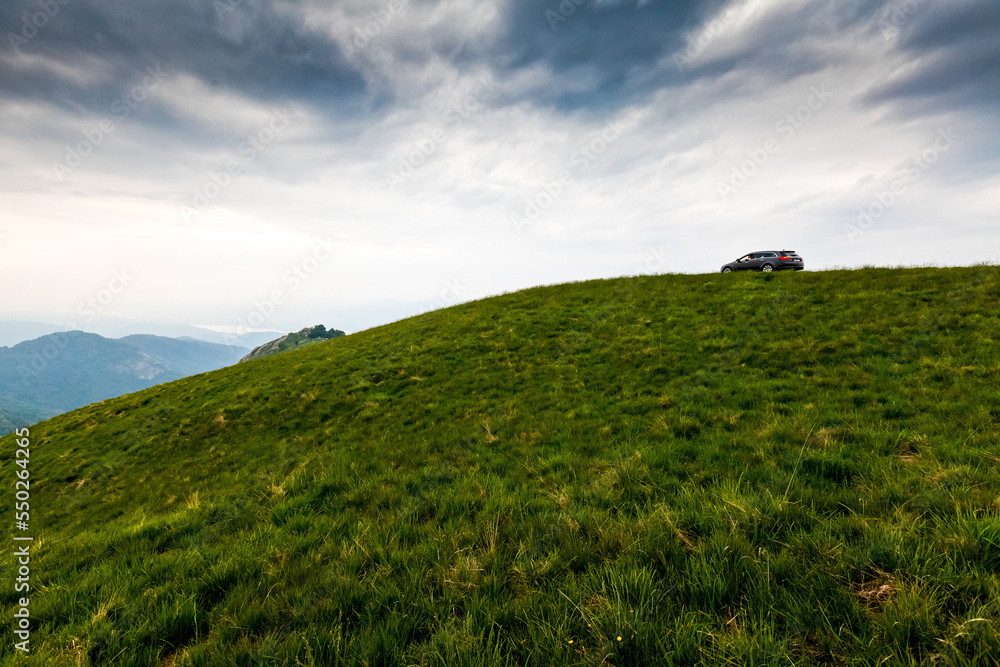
(673, 470)
(293, 341)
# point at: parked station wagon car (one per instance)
(766, 260)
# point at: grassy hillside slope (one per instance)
(293, 341)
(745, 469)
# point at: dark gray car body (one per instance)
(766, 260)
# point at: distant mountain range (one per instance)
(291, 341)
(62, 371)
(13, 332)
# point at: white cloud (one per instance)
(653, 186)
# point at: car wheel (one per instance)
(767, 267)
(726, 269)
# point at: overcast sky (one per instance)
(286, 162)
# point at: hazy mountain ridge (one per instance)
(13, 332)
(62, 371)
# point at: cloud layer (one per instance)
(472, 147)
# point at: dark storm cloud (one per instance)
(603, 53)
(615, 51)
(621, 35)
(618, 52)
(789, 43)
(955, 52)
(250, 46)
(606, 50)
(611, 48)
(593, 55)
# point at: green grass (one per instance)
(293, 341)
(671, 470)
